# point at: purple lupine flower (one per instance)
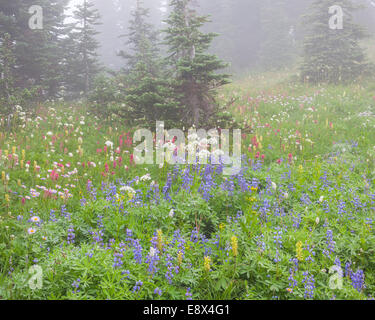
(188, 294)
(76, 284)
(98, 235)
(309, 285)
(260, 243)
(117, 262)
(330, 244)
(152, 259)
(167, 187)
(52, 215)
(194, 235)
(296, 220)
(71, 235)
(64, 212)
(125, 274)
(358, 280)
(326, 208)
(137, 251)
(187, 179)
(305, 199)
(292, 281)
(137, 286)
(83, 202)
(341, 207)
(277, 256)
(158, 292)
(170, 268)
(311, 251)
(129, 235)
(277, 237)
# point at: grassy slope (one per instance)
(329, 133)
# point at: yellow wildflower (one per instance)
(299, 251)
(179, 257)
(252, 199)
(160, 239)
(234, 242)
(207, 261)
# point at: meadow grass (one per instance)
(74, 203)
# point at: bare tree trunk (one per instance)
(195, 106)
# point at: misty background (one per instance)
(254, 35)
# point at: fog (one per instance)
(254, 35)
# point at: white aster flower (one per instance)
(35, 219)
(31, 231)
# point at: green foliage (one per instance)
(192, 68)
(332, 55)
(81, 62)
(37, 54)
(193, 208)
(148, 93)
(7, 60)
(108, 95)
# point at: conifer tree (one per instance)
(7, 63)
(278, 45)
(332, 55)
(147, 93)
(54, 51)
(141, 42)
(192, 68)
(38, 53)
(81, 61)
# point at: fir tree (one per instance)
(278, 45)
(141, 43)
(56, 32)
(38, 53)
(148, 93)
(81, 62)
(332, 55)
(7, 63)
(193, 69)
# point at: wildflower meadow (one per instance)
(216, 150)
(80, 219)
